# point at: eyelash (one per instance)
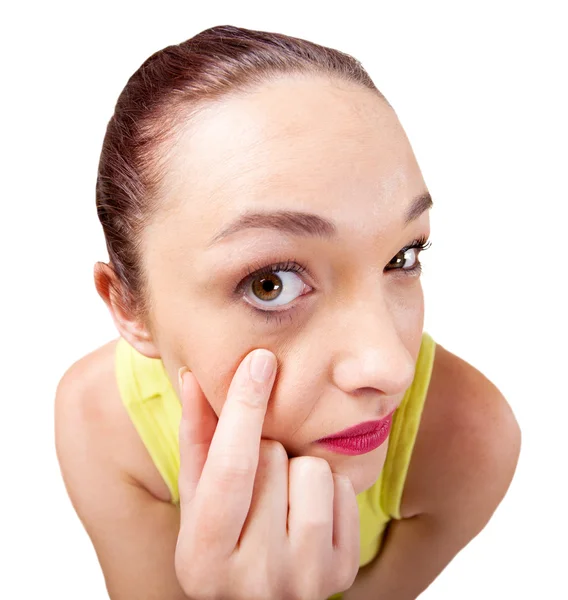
(291, 265)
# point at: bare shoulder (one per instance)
(90, 416)
(113, 485)
(466, 449)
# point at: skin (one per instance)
(273, 158)
(336, 150)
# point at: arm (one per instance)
(464, 459)
(134, 534)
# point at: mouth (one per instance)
(359, 439)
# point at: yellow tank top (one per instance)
(155, 410)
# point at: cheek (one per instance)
(407, 311)
(287, 409)
(214, 355)
(287, 414)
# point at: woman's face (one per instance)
(346, 322)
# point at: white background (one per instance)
(480, 88)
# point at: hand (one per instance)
(255, 524)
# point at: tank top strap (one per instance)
(406, 422)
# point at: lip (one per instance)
(359, 439)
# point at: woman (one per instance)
(257, 192)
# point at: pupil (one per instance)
(267, 286)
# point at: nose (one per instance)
(368, 352)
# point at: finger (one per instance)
(268, 513)
(227, 481)
(346, 532)
(197, 426)
(310, 517)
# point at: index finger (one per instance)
(225, 489)
(197, 427)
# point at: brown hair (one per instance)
(174, 83)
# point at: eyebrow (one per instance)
(306, 224)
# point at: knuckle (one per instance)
(258, 585)
(199, 583)
(232, 467)
(251, 396)
(345, 571)
(311, 466)
(273, 451)
(317, 521)
(259, 581)
(308, 583)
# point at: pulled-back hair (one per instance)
(162, 95)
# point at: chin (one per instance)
(364, 470)
(362, 486)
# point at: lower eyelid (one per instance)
(278, 310)
(272, 314)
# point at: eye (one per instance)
(404, 257)
(274, 285)
(409, 254)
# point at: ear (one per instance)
(135, 332)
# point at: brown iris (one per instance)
(267, 284)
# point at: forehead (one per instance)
(303, 143)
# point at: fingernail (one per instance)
(181, 371)
(262, 365)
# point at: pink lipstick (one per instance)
(359, 439)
